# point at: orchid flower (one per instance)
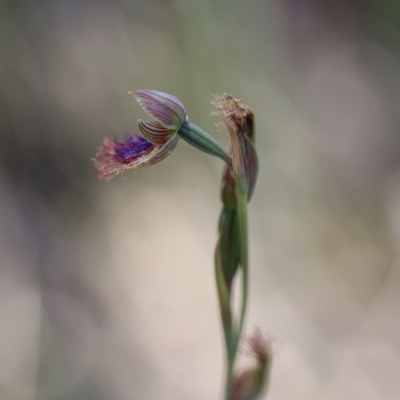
(157, 138)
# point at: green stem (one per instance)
(242, 213)
(241, 195)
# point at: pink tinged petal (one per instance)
(164, 108)
(104, 162)
(114, 157)
(154, 132)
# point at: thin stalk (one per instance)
(242, 220)
(242, 190)
(241, 195)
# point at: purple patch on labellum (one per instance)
(130, 148)
(113, 157)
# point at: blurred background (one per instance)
(107, 288)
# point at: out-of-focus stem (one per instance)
(229, 378)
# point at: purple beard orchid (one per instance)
(158, 138)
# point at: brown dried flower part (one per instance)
(235, 112)
(239, 120)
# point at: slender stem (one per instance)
(241, 195)
(241, 189)
(242, 213)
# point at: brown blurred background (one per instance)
(106, 289)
